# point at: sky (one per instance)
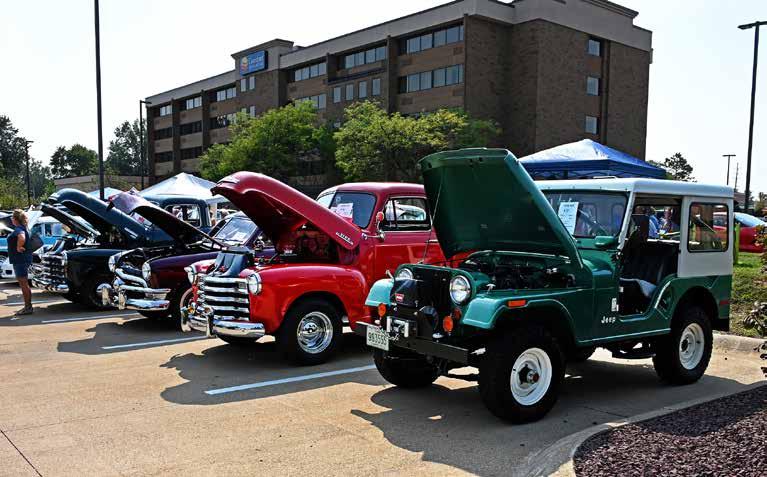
(700, 79)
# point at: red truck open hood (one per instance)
(279, 209)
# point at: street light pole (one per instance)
(141, 104)
(728, 156)
(756, 26)
(29, 179)
(98, 98)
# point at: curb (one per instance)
(564, 449)
(736, 343)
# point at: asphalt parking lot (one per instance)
(112, 393)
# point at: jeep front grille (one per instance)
(227, 297)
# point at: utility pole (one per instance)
(29, 178)
(737, 169)
(755, 26)
(728, 156)
(98, 99)
(141, 104)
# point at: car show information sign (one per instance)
(568, 213)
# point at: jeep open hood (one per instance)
(483, 199)
(179, 230)
(102, 217)
(78, 226)
(278, 209)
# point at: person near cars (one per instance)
(21, 258)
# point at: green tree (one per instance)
(78, 160)
(677, 168)
(271, 143)
(375, 145)
(12, 150)
(124, 154)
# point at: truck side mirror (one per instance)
(605, 241)
(379, 220)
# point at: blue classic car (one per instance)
(48, 228)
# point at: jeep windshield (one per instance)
(356, 206)
(589, 214)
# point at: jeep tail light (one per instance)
(516, 303)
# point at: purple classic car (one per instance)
(152, 280)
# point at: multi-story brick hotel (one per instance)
(548, 71)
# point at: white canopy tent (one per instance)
(184, 184)
(108, 192)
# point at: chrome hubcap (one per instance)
(531, 376)
(691, 345)
(315, 332)
(183, 304)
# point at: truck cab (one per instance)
(328, 253)
(556, 269)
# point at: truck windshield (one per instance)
(236, 231)
(589, 214)
(357, 206)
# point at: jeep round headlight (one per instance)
(460, 289)
(254, 284)
(405, 274)
(112, 263)
(146, 271)
(190, 274)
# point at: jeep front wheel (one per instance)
(520, 375)
(682, 357)
(311, 332)
(405, 371)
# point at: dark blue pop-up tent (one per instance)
(586, 159)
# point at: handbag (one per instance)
(34, 243)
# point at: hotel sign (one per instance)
(253, 62)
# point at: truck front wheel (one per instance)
(682, 356)
(405, 371)
(311, 332)
(520, 374)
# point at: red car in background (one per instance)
(748, 227)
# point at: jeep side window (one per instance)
(708, 228)
(401, 214)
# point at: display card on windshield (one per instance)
(568, 213)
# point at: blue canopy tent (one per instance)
(586, 159)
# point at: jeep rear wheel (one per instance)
(311, 332)
(520, 375)
(682, 357)
(405, 370)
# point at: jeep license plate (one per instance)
(377, 338)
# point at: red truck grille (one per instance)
(227, 297)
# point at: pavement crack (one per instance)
(605, 412)
(20, 453)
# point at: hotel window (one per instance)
(592, 86)
(164, 133)
(252, 111)
(432, 39)
(360, 58)
(222, 121)
(350, 92)
(413, 83)
(166, 110)
(252, 82)
(337, 94)
(190, 128)
(595, 47)
(426, 80)
(312, 71)
(318, 101)
(592, 125)
(163, 156)
(192, 103)
(191, 153)
(363, 90)
(439, 77)
(376, 86)
(243, 85)
(224, 94)
(431, 79)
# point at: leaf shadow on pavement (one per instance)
(119, 333)
(227, 365)
(453, 427)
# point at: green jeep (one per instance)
(547, 272)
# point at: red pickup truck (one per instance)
(329, 252)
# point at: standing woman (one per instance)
(21, 258)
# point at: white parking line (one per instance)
(65, 320)
(150, 343)
(306, 377)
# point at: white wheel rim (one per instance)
(531, 376)
(315, 332)
(691, 346)
(183, 303)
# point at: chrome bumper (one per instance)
(202, 320)
(154, 299)
(47, 285)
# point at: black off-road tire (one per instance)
(287, 336)
(496, 367)
(580, 355)
(667, 360)
(92, 298)
(405, 370)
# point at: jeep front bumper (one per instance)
(201, 319)
(419, 345)
(124, 297)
